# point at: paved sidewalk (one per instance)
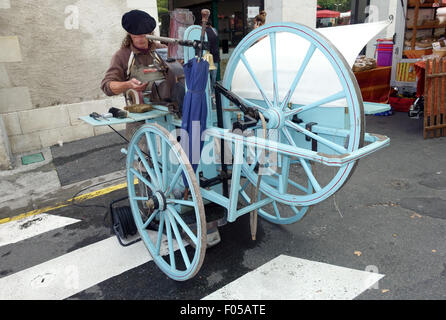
(68, 170)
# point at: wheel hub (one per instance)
(276, 118)
(157, 201)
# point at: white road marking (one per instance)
(15, 231)
(290, 278)
(282, 278)
(76, 271)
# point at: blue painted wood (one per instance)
(373, 107)
(164, 177)
(235, 181)
(153, 114)
(279, 116)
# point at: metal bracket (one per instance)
(309, 127)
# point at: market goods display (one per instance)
(363, 63)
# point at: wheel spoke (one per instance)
(299, 74)
(298, 186)
(297, 212)
(304, 164)
(154, 155)
(179, 240)
(174, 181)
(141, 178)
(183, 225)
(150, 219)
(170, 242)
(251, 104)
(283, 178)
(146, 165)
(182, 202)
(165, 163)
(272, 39)
(140, 198)
(160, 235)
(253, 76)
(245, 185)
(337, 96)
(276, 210)
(288, 136)
(320, 139)
(310, 175)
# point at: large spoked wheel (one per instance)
(327, 119)
(172, 228)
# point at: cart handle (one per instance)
(376, 142)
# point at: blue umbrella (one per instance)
(194, 109)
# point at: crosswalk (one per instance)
(29, 227)
(290, 278)
(282, 278)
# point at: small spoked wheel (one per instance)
(324, 116)
(166, 202)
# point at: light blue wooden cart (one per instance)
(310, 156)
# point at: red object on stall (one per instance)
(327, 14)
(401, 104)
(420, 69)
(374, 84)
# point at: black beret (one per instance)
(138, 22)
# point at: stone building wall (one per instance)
(53, 56)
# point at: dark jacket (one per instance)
(213, 43)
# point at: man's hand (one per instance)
(118, 87)
(136, 85)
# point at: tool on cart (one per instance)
(120, 114)
(138, 108)
(97, 116)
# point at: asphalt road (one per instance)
(390, 217)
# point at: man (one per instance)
(125, 71)
(138, 24)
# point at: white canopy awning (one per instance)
(319, 79)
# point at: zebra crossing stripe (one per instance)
(290, 278)
(283, 278)
(18, 230)
(76, 271)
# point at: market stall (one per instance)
(420, 44)
(373, 74)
